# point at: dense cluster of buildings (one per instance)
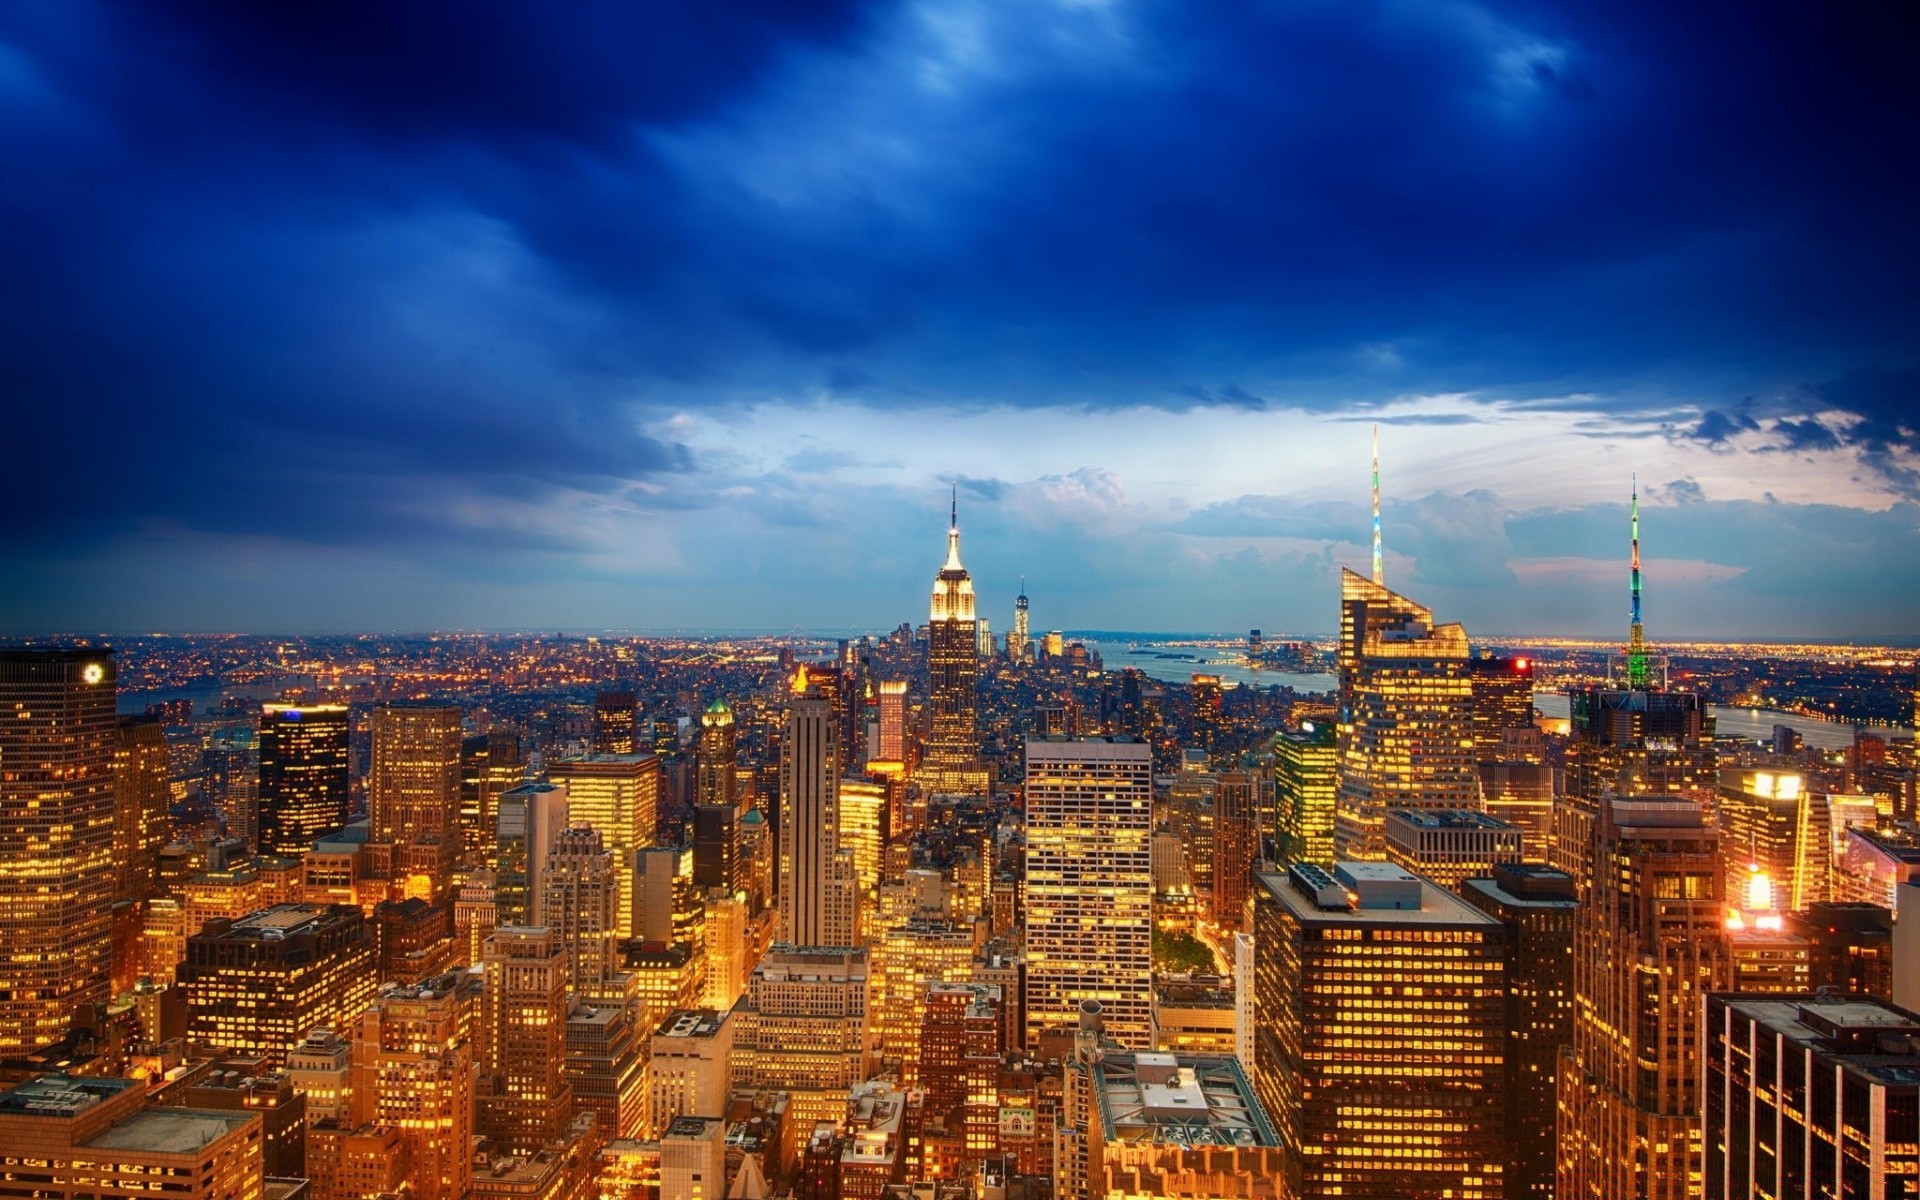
(943, 917)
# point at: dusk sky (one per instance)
(332, 317)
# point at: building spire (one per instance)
(953, 533)
(1379, 562)
(1637, 673)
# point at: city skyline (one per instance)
(629, 318)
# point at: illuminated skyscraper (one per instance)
(258, 984)
(413, 1069)
(230, 780)
(1236, 846)
(1450, 845)
(532, 817)
(1770, 820)
(1088, 892)
(141, 796)
(413, 793)
(57, 871)
(1502, 701)
(1406, 714)
(1648, 945)
(1380, 1034)
(303, 775)
(525, 1100)
(817, 892)
(619, 795)
(952, 759)
(719, 757)
(1021, 646)
(616, 723)
(893, 720)
(1306, 786)
(577, 901)
(105, 1139)
(1206, 710)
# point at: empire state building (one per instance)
(951, 763)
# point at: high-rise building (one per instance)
(1382, 1079)
(303, 775)
(1406, 714)
(1449, 845)
(1536, 904)
(718, 755)
(1088, 892)
(531, 818)
(525, 1100)
(1649, 944)
(57, 872)
(1502, 701)
(616, 723)
(892, 695)
(413, 793)
(140, 799)
(619, 795)
(951, 762)
(258, 984)
(863, 819)
(1851, 947)
(413, 1070)
(1208, 705)
(1306, 786)
(101, 1139)
(490, 763)
(578, 902)
(802, 1028)
(1770, 821)
(817, 896)
(1810, 1095)
(230, 780)
(1236, 846)
(1020, 648)
(687, 1066)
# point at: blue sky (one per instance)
(625, 315)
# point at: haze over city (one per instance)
(645, 318)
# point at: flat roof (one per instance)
(166, 1130)
(1186, 1099)
(60, 1095)
(1813, 1020)
(1438, 906)
(1447, 818)
(1491, 887)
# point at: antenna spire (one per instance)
(1637, 673)
(1379, 562)
(953, 518)
(953, 533)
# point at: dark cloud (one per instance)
(1716, 426)
(1683, 491)
(1806, 434)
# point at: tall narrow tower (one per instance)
(1379, 562)
(1637, 673)
(816, 893)
(952, 760)
(1022, 635)
(413, 793)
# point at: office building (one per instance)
(956, 1065)
(413, 1070)
(1502, 701)
(619, 795)
(1449, 845)
(57, 870)
(616, 723)
(606, 1061)
(532, 816)
(1769, 821)
(70, 1138)
(688, 1064)
(803, 1023)
(892, 723)
(1850, 947)
(950, 762)
(578, 902)
(1406, 714)
(1383, 1083)
(413, 794)
(816, 890)
(1236, 846)
(1020, 640)
(490, 763)
(1207, 710)
(1810, 1095)
(1306, 786)
(525, 1100)
(259, 984)
(303, 775)
(693, 1158)
(1648, 945)
(141, 823)
(1088, 891)
(1523, 794)
(1536, 905)
(905, 960)
(230, 781)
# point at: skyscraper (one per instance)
(258, 984)
(577, 901)
(413, 793)
(303, 775)
(1236, 842)
(718, 757)
(141, 797)
(490, 763)
(1021, 647)
(952, 759)
(56, 841)
(1088, 892)
(817, 893)
(413, 1070)
(1648, 945)
(525, 1100)
(893, 720)
(619, 795)
(1406, 714)
(616, 723)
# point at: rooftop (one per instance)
(1447, 818)
(1866, 1037)
(165, 1130)
(1189, 1100)
(1437, 906)
(60, 1095)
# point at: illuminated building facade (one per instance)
(906, 959)
(140, 798)
(616, 723)
(687, 1069)
(1379, 1088)
(1523, 794)
(803, 1023)
(1406, 714)
(951, 762)
(1536, 905)
(1306, 785)
(57, 871)
(1088, 891)
(1020, 647)
(1770, 821)
(817, 897)
(413, 793)
(716, 762)
(1850, 947)
(1649, 944)
(577, 902)
(413, 1070)
(303, 775)
(892, 697)
(69, 1138)
(1449, 845)
(862, 805)
(532, 817)
(525, 1100)
(490, 763)
(1207, 710)
(258, 984)
(619, 795)
(1502, 701)
(958, 1050)
(1236, 845)
(1810, 1095)
(230, 780)
(606, 1053)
